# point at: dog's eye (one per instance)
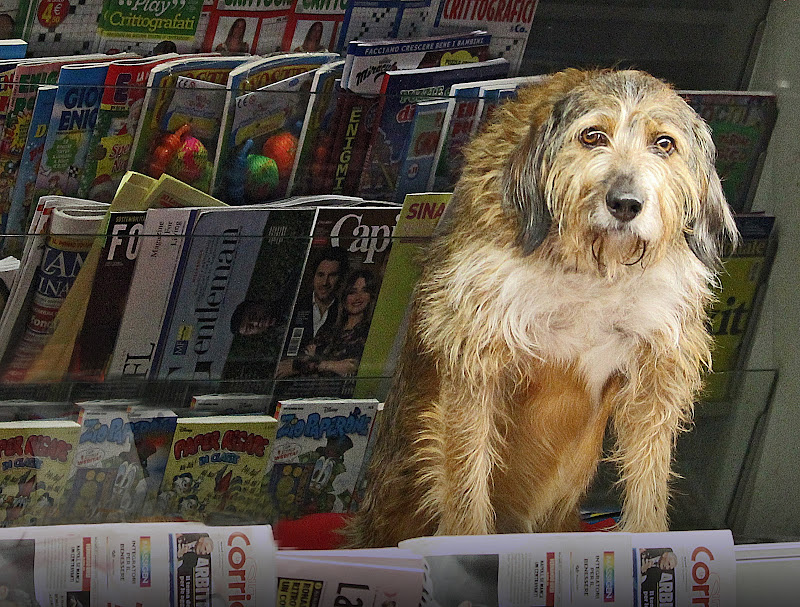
(593, 137)
(665, 144)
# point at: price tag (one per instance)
(52, 12)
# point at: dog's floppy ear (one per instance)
(523, 195)
(713, 225)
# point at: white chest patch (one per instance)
(589, 322)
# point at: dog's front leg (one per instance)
(651, 411)
(469, 443)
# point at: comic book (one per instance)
(251, 76)
(35, 459)
(233, 298)
(106, 481)
(264, 136)
(80, 88)
(741, 125)
(318, 452)
(163, 239)
(160, 147)
(313, 26)
(153, 431)
(112, 137)
(400, 92)
(415, 227)
(738, 300)
(20, 212)
(341, 281)
(215, 469)
(427, 133)
(315, 128)
(367, 61)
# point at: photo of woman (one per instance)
(234, 43)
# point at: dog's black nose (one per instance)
(623, 205)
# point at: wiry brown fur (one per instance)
(540, 319)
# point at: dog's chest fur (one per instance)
(565, 318)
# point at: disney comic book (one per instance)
(35, 460)
(215, 468)
(318, 453)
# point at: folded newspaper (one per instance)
(132, 565)
(672, 569)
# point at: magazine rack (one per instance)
(256, 143)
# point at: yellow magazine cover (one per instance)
(35, 459)
(731, 318)
(215, 469)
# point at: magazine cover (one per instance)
(400, 92)
(112, 137)
(35, 459)
(235, 28)
(313, 26)
(318, 452)
(71, 235)
(418, 220)
(216, 467)
(366, 62)
(20, 212)
(426, 135)
(382, 19)
(27, 77)
(741, 126)
(264, 136)
(738, 298)
(109, 295)
(335, 303)
(211, 293)
(166, 226)
(261, 320)
(80, 88)
(315, 127)
(160, 147)
(508, 23)
(251, 76)
(121, 22)
(53, 28)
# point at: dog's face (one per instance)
(617, 170)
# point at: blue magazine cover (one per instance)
(400, 92)
(80, 89)
(425, 135)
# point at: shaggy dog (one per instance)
(565, 292)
